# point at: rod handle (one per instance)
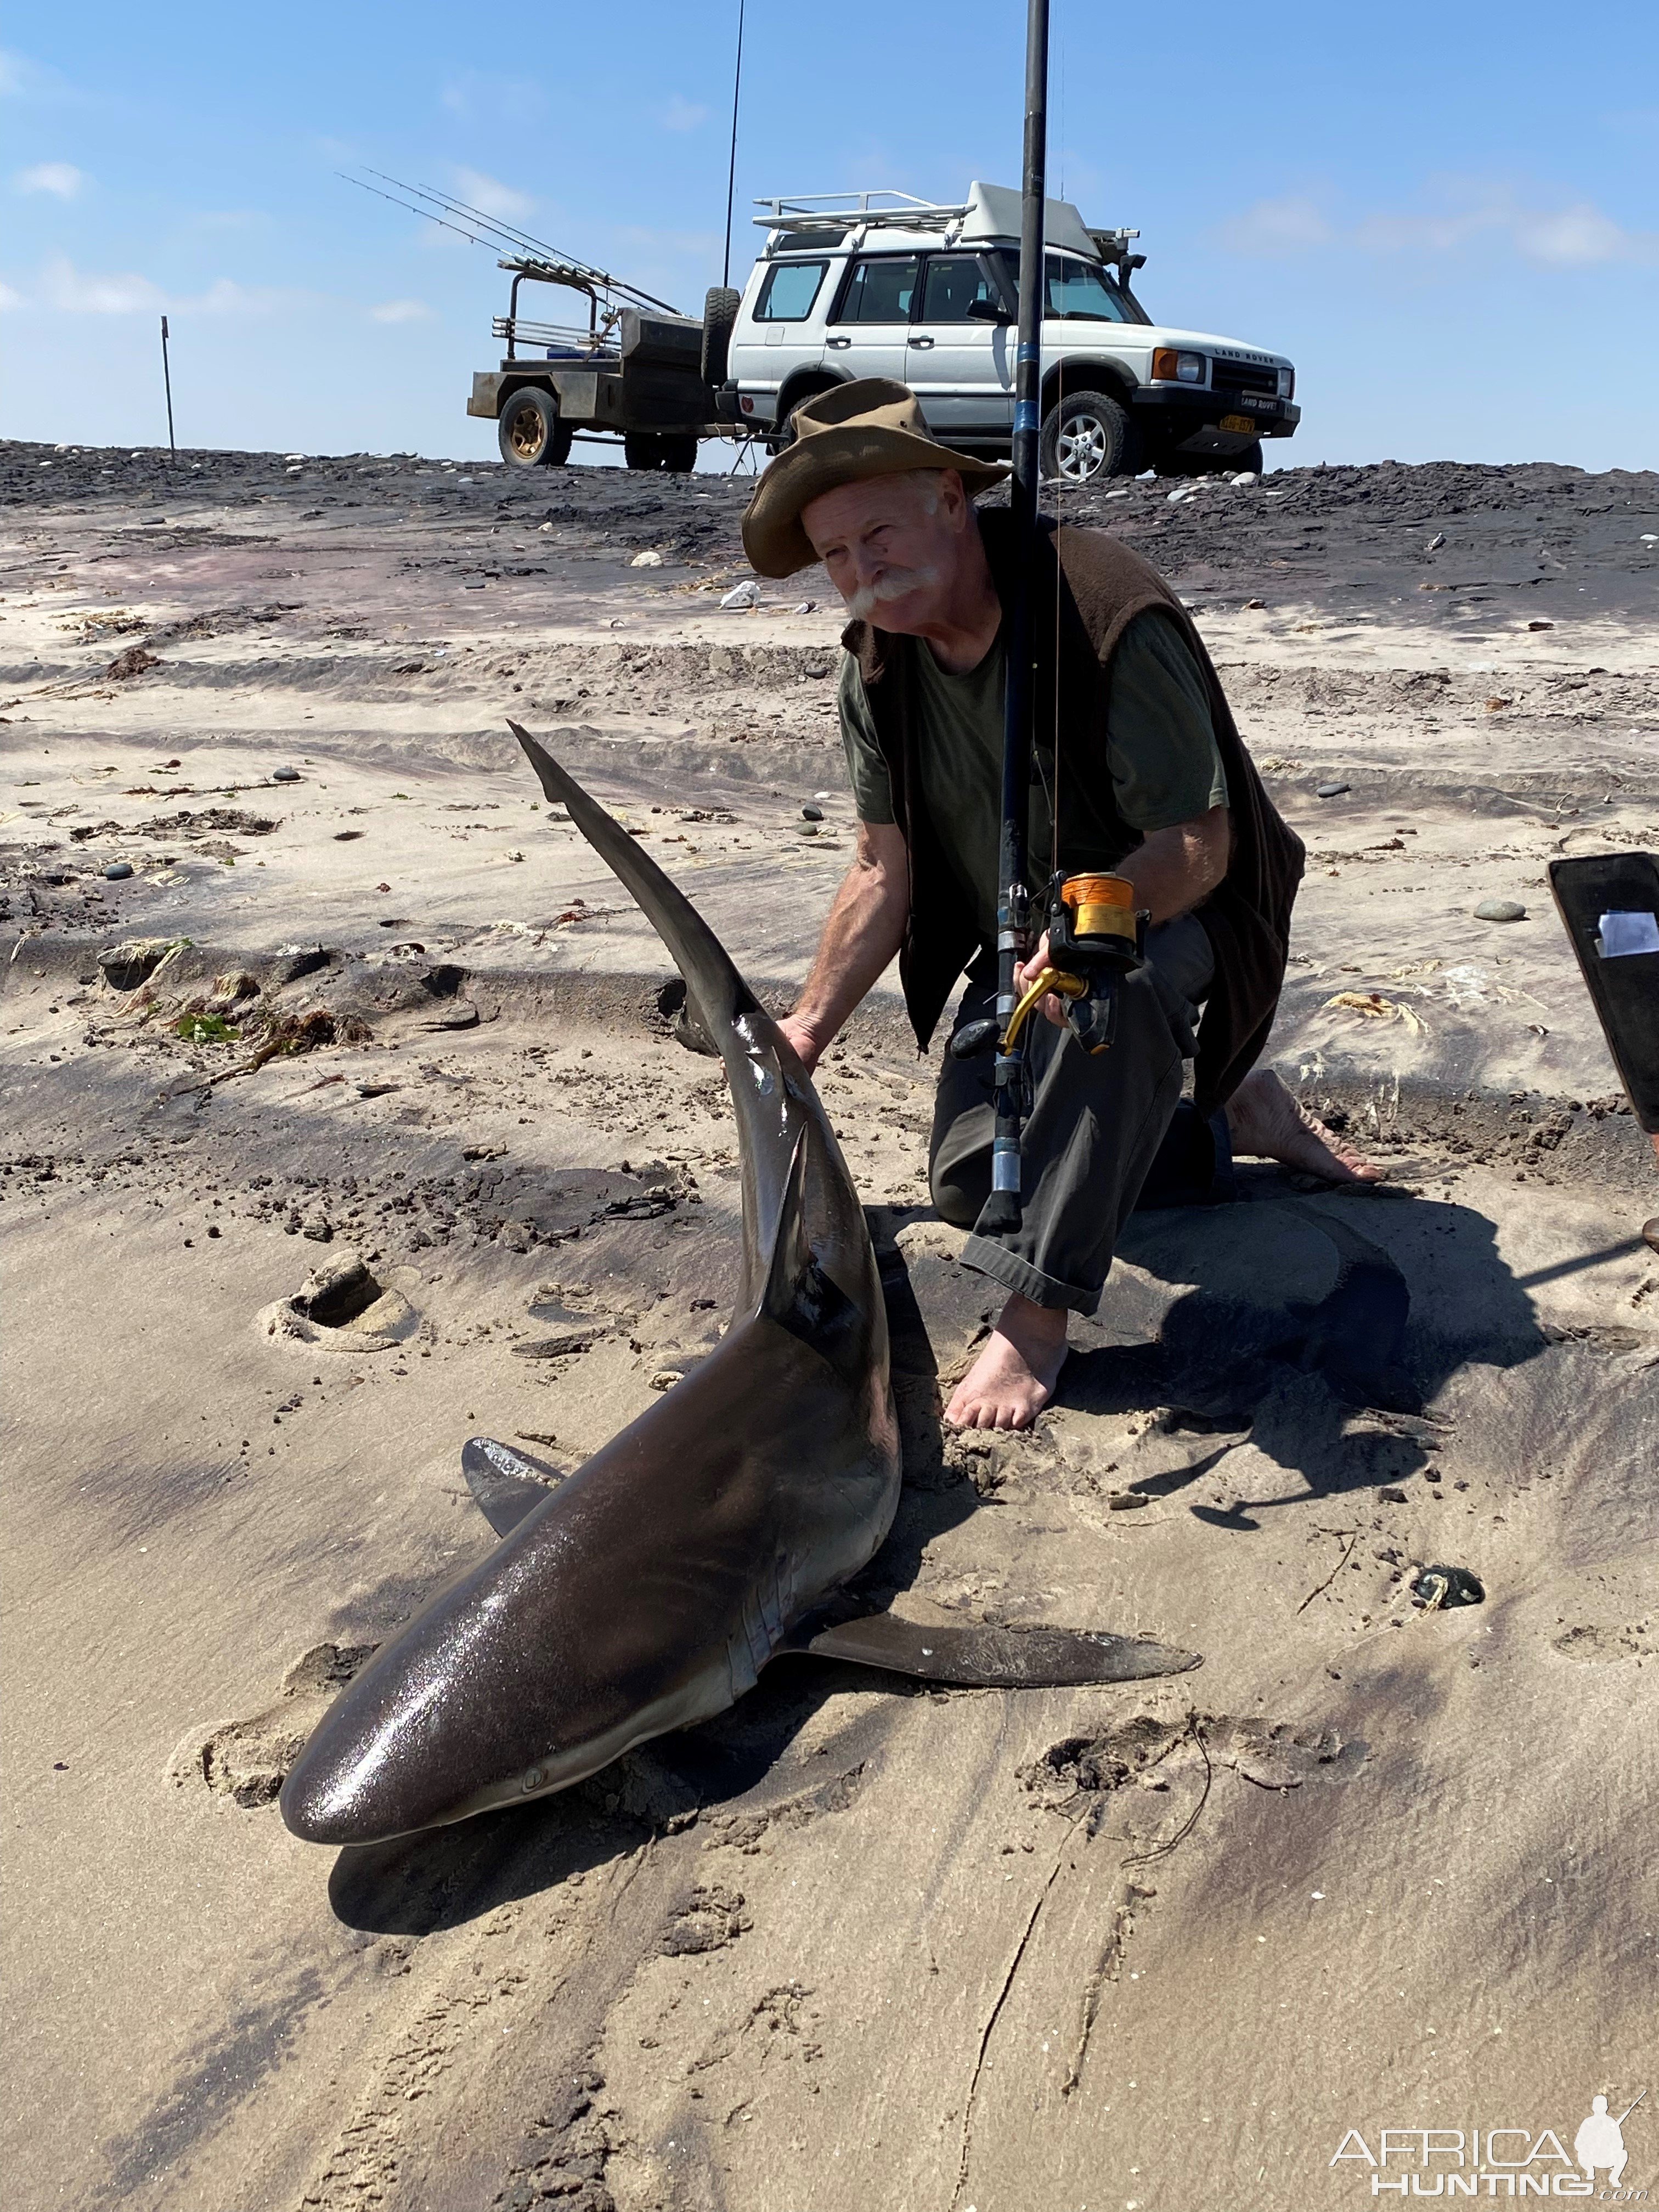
(1001, 1214)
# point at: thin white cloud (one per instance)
(477, 96)
(490, 196)
(60, 179)
(71, 291)
(10, 301)
(1292, 225)
(23, 79)
(684, 114)
(401, 311)
(1470, 213)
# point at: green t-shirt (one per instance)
(1160, 744)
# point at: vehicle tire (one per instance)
(529, 432)
(784, 436)
(660, 452)
(719, 313)
(1250, 458)
(1087, 437)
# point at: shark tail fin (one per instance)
(716, 989)
(975, 1656)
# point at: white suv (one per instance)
(878, 284)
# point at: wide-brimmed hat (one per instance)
(872, 428)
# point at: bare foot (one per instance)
(1268, 1122)
(1014, 1377)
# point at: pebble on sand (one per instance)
(117, 871)
(1332, 790)
(811, 814)
(285, 775)
(1500, 911)
(646, 560)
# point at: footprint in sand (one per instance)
(248, 1760)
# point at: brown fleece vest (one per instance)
(1247, 918)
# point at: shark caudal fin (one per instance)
(975, 1656)
(711, 978)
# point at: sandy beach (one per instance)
(1155, 1947)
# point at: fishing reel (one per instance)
(1095, 936)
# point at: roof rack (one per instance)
(836, 213)
(990, 212)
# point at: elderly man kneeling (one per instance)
(1139, 771)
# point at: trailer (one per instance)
(633, 373)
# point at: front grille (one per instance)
(1244, 376)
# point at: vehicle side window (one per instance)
(790, 288)
(881, 290)
(953, 282)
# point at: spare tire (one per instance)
(720, 314)
(659, 450)
(529, 432)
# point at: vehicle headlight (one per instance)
(1170, 366)
(1286, 382)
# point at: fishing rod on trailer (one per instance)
(482, 229)
(1095, 932)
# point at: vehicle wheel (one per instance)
(1250, 458)
(529, 432)
(719, 313)
(784, 436)
(660, 453)
(1087, 437)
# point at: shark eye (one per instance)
(533, 1779)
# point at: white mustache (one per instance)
(891, 584)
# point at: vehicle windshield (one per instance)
(1078, 291)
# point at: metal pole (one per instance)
(1002, 1208)
(732, 173)
(166, 379)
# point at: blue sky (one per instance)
(1448, 215)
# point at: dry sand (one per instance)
(1156, 1947)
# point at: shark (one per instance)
(646, 1591)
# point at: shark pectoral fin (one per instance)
(979, 1657)
(506, 1484)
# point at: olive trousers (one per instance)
(1105, 1130)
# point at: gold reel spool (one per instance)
(1100, 906)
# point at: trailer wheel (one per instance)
(530, 433)
(1087, 437)
(719, 313)
(661, 452)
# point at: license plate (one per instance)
(1238, 422)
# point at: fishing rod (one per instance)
(1095, 933)
(1002, 1210)
(482, 229)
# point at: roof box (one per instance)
(993, 212)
